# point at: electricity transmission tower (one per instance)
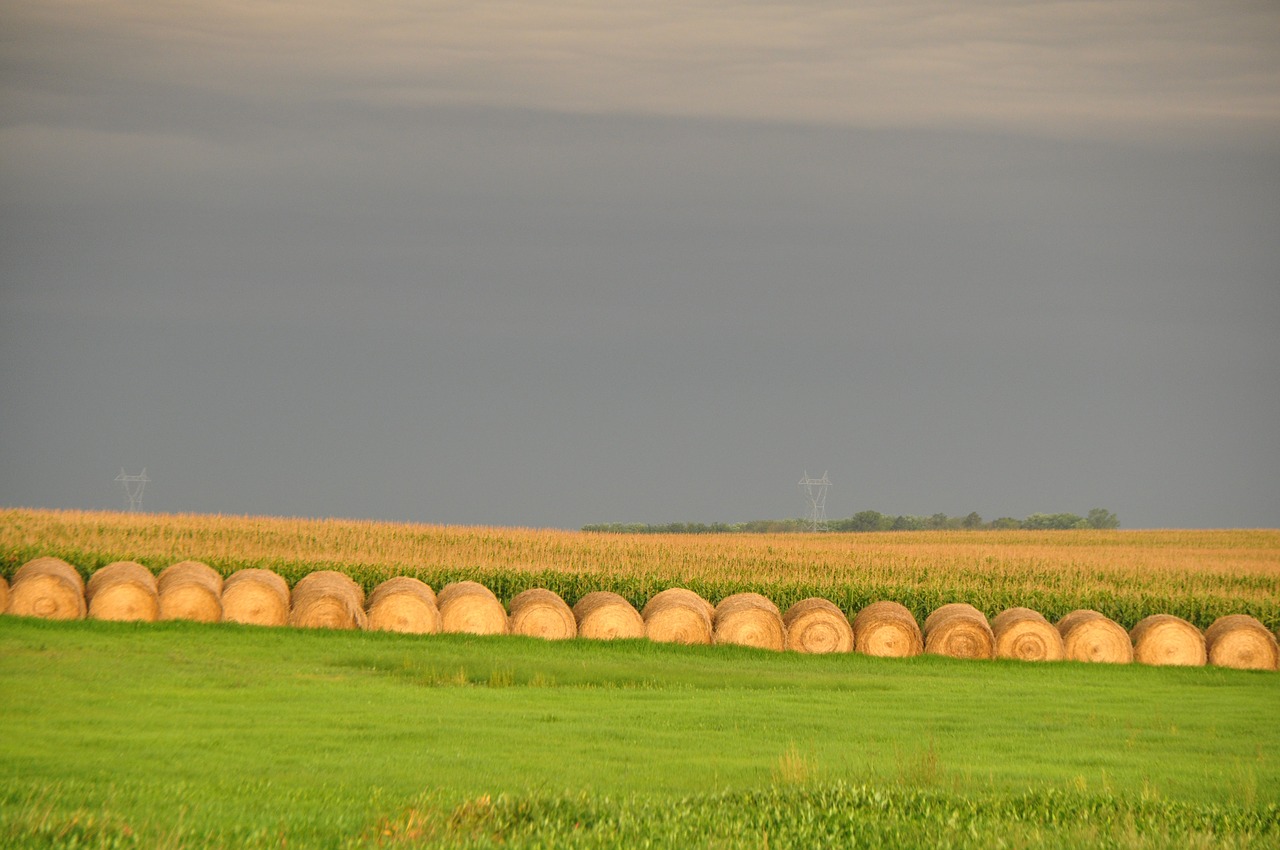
(133, 485)
(815, 493)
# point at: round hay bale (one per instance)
(603, 615)
(681, 594)
(328, 581)
(959, 630)
(543, 614)
(49, 588)
(122, 591)
(190, 590)
(327, 599)
(1166, 640)
(888, 630)
(4, 595)
(184, 570)
(404, 604)
(255, 597)
(677, 615)
(1090, 636)
(471, 608)
(462, 588)
(817, 626)
(749, 619)
(1240, 641)
(1026, 635)
(402, 583)
(48, 566)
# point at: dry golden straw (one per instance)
(404, 604)
(255, 597)
(959, 630)
(541, 613)
(471, 608)
(1240, 641)
(817, 626)
(4, 595)
(1026, 635)
(328, 599)
(887, 629)
(123, 590)
(749, 619)
(603, 615)
(1166, 640)
(190, 590)
(678, 615)
(1089, 636)
(49, 588)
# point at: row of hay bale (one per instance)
(191, 590)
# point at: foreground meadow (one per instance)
(183, 735)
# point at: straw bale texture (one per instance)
(541, 613)
(959, 630)
(123, 590)
(815, 625)
(116, 571)
(255, 597)
(603, 615)
(328, 599)
(461, 588)
(49, 588)
(888, 630)
(401, 583)
(682, 595)
(677, 615)
(1089, 636)
(328, 581)
(1166, 640)
(1026, 635)
(471, 608)
(1240, 641)
(4, 595)
(48, 566)
(749, 619)
(404, 604)
(190, 590)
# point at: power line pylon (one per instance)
(133, 486)
(815, 493)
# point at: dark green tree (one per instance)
(868, 521)
(1102, 518)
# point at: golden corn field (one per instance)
(1127, 575)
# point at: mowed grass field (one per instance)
(177, 734)
(186, 735)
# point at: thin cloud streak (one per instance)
(1085, 69)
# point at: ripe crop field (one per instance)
(1196, 575)
(177, 734)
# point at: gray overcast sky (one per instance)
(549, 263)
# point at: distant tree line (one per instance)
(870, 521)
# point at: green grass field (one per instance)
(182, 735)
